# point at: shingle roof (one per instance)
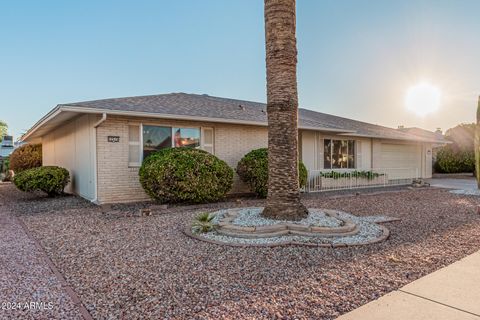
(421, 132)
(195, 105)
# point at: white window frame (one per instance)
(135, 143)
(183, 127)
(202, 142)
(204, 145)
(331, 153)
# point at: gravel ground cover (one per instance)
(252, 217)
(145, 267)
(25, 277)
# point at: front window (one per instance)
(134, 148)
(156, 138)
(150, 139)
(186, 137)
(339, 154)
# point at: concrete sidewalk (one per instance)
(449, 293)
(459, 184)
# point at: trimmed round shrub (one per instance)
(450, 160)
(51, 180)
(185, 175)
(26, 157)
(253, 170)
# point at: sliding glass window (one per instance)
(156, 138)
(186, 137)
(339, 154)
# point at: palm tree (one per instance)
(283, 199)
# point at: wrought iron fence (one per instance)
(340, 179)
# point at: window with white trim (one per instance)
(339, 154)
(134, 154)
(207, 140)
(154, 138)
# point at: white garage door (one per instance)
(403, 161)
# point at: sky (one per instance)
(356, 58)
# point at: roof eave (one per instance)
(414, 139)
(87, 110)
(185, 117)
(50, 115)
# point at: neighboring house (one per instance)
(6, 148)
(102, 143)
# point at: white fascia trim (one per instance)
(387, 138)
(52, 114)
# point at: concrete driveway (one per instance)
(458, 184)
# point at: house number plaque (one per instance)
(113, 138)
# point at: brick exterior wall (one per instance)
(117, 182)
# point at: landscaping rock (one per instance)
(130, 268)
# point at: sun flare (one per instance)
(423, 99)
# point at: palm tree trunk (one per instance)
(477, 145)
(283, 199)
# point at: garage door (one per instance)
(403, 161)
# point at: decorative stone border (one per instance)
(236, 228)
(385, 235)
(226, 227)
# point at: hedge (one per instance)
(26, 157)
(51, 180)
(451, 160)
(185, 175)
(253, 170)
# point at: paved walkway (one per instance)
(449, 293)
(29, 288)
(459, 184)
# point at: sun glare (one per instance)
(423, 99)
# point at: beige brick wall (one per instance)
(117, 182)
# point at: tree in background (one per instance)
(462, 136)
(26, 157)
(459, 156)
(3, 129)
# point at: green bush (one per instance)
(185, 175)
(302, 175)
(51, 180)
(203, 223)
(369, 175)
(26, 157)
(253, 170)
(452, 160)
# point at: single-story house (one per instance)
(437, 135)
(102, 142)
